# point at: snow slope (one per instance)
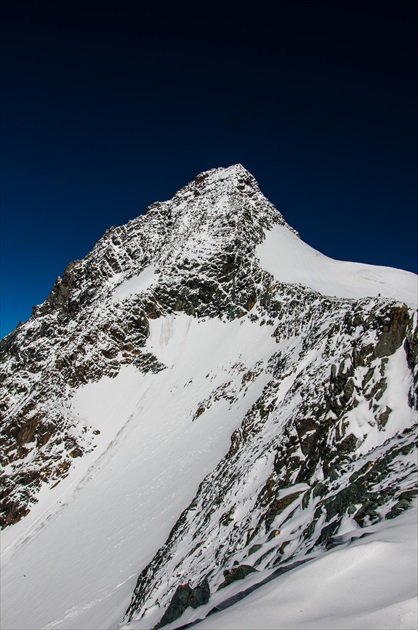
(84, 542)
(289, 259)
(370, 583)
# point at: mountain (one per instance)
(203, 406)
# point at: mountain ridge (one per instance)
(185, 362)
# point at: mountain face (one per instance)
(203, 400)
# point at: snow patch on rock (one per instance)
(137, 284)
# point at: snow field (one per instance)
(90, 537)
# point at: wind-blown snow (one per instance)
(289, 259)
(369, 582)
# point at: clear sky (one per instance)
(108, 107)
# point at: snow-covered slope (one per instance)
(123, 505)
(201, 403)
(290, 260)
(369, 581)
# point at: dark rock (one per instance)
(177, 606)
(200, 594)
(398, 508)
(238, 573)
(326, 536)
(201, 409)
(184, 597)
(384, 416)
(77, 452)
(253, 549)
(404, 502)
(394, 331)
(279, 506)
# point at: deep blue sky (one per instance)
(109, 107)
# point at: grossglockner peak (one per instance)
(202, 405)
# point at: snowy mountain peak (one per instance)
(234, 176)
(202, 403)
(218, 193)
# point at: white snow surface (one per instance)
(290, 260)
(369, 582)
(83, 544)
(137, 284)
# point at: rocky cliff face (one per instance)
(325, 416)
(202, 258)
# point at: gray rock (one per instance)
(237, 573)
(184, 597)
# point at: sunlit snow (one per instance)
(85, 545)
(289, 259)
